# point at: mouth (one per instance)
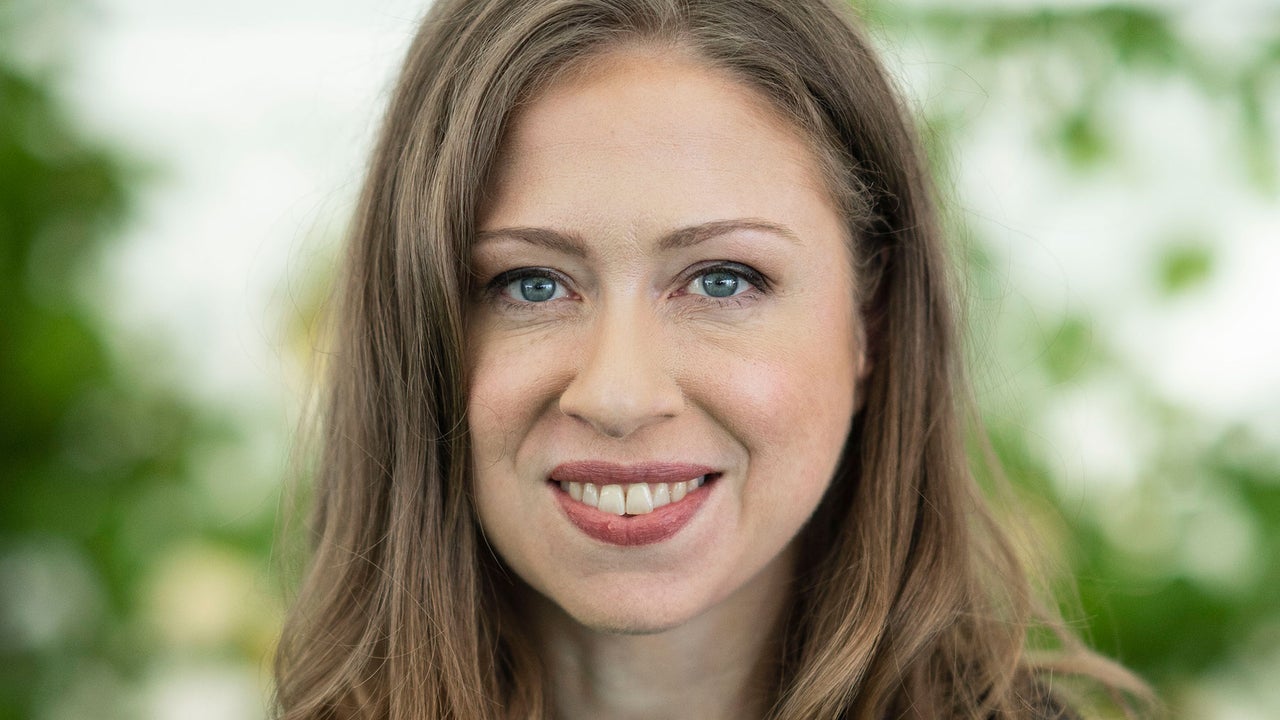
(632, 498)
(631, 505)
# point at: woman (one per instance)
(645, 399)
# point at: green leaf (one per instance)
(1184, 267)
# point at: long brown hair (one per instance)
(910, 600)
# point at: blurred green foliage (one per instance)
(110, 542)
(1101, 44)
(100, 468)
(1184, 266)
(1177, 573)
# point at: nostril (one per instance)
(619, 406)
(622, 384)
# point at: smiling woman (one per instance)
(700, 326)
(646, 398)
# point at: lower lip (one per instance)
(628, 530)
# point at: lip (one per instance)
(631, 530)
(607, 473)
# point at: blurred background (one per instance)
(175, 178)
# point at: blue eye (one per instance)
(719, 284)
(722, 282)
(534, 288)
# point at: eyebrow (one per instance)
(573, 244)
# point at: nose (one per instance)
(621, 385)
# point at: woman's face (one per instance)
(666, 295)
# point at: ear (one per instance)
(862, 367)
(870, 324)
(863, 371)
(869, 279)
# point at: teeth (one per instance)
(612, 500)
(639, 499)
(633, 499)
(661, 495)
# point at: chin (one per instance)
(629, 624)
(628, 616)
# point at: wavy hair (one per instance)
(911, 602)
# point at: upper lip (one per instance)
(601, 472)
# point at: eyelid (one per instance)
(494, 288)
(753, 277)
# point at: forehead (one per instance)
(653, 134)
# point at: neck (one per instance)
(720, 664)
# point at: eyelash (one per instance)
(759, 284)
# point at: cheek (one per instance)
(803, 403)
(802, 368)
(788, 398)
(508, 391)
